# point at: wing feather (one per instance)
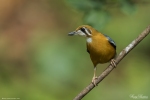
(112, 42)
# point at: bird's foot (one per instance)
(94, 80)
(113, 63)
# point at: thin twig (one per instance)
(123, 53)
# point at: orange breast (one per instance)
(101, 51)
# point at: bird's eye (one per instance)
(83, 30)
(86, 31)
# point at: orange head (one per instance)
(84, 30)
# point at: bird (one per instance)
(101, 48)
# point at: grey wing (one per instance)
(112, 42)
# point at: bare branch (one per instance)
(123, 53)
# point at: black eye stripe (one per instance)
(83, 30)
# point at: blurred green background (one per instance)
(38, 61)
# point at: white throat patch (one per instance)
(89, 40)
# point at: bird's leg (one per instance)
(94, 77)
(113, 63)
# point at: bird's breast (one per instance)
(101, 51)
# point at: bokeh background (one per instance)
(38, 61)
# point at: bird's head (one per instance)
(84, 30)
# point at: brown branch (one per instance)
(123, 53)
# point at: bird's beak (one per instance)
(72, 33)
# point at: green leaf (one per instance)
(97, 19)
(127, 7)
